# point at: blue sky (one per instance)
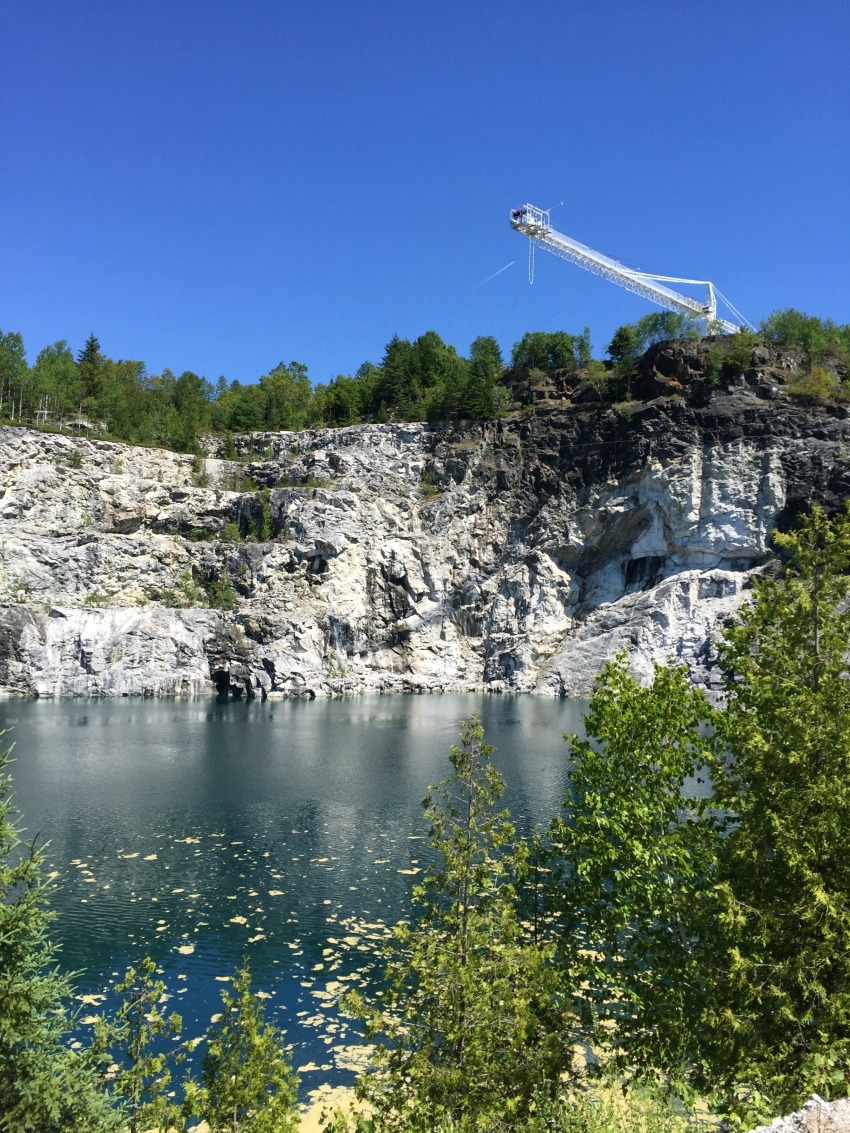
(222, 186)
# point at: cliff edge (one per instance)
(509, 556)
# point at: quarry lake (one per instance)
(201, 832)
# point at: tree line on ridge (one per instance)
(421, 380)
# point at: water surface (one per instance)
(201, 832)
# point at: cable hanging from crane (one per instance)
(534, 223)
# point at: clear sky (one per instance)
(220, 186)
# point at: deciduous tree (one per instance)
(633, 868)
(783, 1018)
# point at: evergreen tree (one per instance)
(90, 363)
(247, 1082)
(139, 1025)
(480, 398)
(470, 1028)
(398, 388)
(44, 1086)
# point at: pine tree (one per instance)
(44, 1086)
(90, 364)
(247, 1082)
(470, 1027)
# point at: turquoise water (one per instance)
(201, 832)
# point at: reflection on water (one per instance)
(202, 832)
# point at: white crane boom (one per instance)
(535, 224)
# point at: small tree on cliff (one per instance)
(469, 1025)
(44, 1086)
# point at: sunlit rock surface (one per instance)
(511, 557)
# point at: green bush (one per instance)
(819, 386)
(71, 459)
(231, 533)
(220, 595)
(740, 354)
(427, 485)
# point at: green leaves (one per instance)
(711, 937)
(787, 779)
(633, 860)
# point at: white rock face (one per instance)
(381, 557)
(816, 1116)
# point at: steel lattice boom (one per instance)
(535, 224)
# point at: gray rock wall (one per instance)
(400, 557)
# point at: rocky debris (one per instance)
(816, 1116)
(511, 556)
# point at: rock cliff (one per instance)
(399, 557)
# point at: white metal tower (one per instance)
(535, 224)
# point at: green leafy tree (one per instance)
(814, 336)
(712, 937)
(247, 1082)
(470, 1028)
(134, 1039)
(242, 409)
(783, 1016)
(55, 378)
(625, 348)
(286, 392)
(44, 1086)
(633, 339)
(338, 403)
(551, 350)
(14, 373)
(192, 401)
(122, 398)
(633, 866)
